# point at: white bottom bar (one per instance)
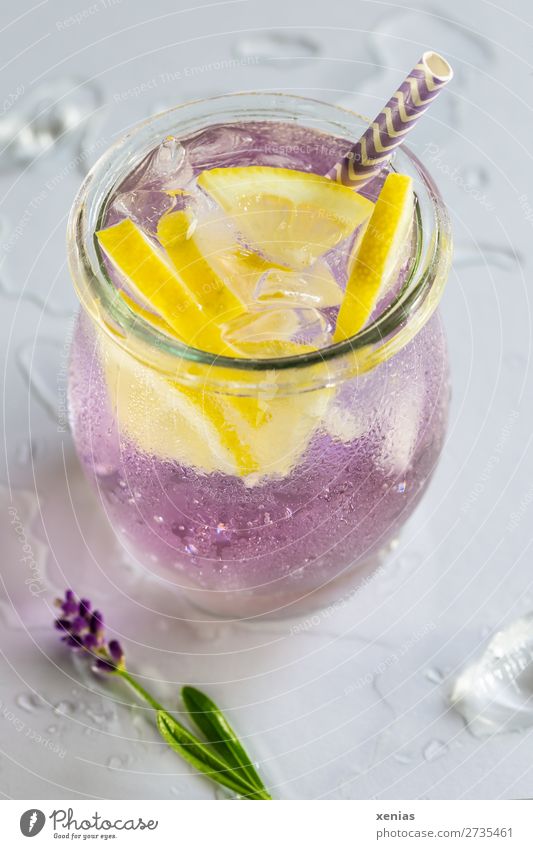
(230, 825)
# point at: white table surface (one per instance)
(354, 705)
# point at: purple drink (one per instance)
(351, 445)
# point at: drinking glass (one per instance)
(347, 436)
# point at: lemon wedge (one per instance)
(381, 251)
(265, 347)
(292, 217)
(176, 232)
(170, 421)
(250, 437)
(191, 289)
(156, 284)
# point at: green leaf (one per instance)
(213, 724)
(202, 758)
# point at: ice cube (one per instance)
(495, 693)
(307, 326)
(217, 240)
(170, 165)
(154, 187)
(261, 326)
(166, 168)
(315, 287)
(219, 144)
(215, 230)
(144, 206)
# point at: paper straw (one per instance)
(388, 129)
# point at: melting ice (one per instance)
(495, 693)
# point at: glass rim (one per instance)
(85, 260)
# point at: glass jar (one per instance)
(267, 486)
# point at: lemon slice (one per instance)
(156, 284)
(265, 347)
(175, 231)
(147, 315)
(382, 250)
(251, 437)
(292, 217)
(170, 421)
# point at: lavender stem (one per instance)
(139, 689)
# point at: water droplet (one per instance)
(435, 749)
(191, 549)
(99, 718)
(401, 486)
(159, 519)
(476, 176)
(56, 113)
(292, 48)
(402, 758)
(434, 675)
(117, 761)
(28, 701)
(64, 708)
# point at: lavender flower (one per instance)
(83, 630)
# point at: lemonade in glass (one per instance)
(258, 384)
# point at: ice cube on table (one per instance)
(494, 694)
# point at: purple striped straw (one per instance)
(388, 129)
